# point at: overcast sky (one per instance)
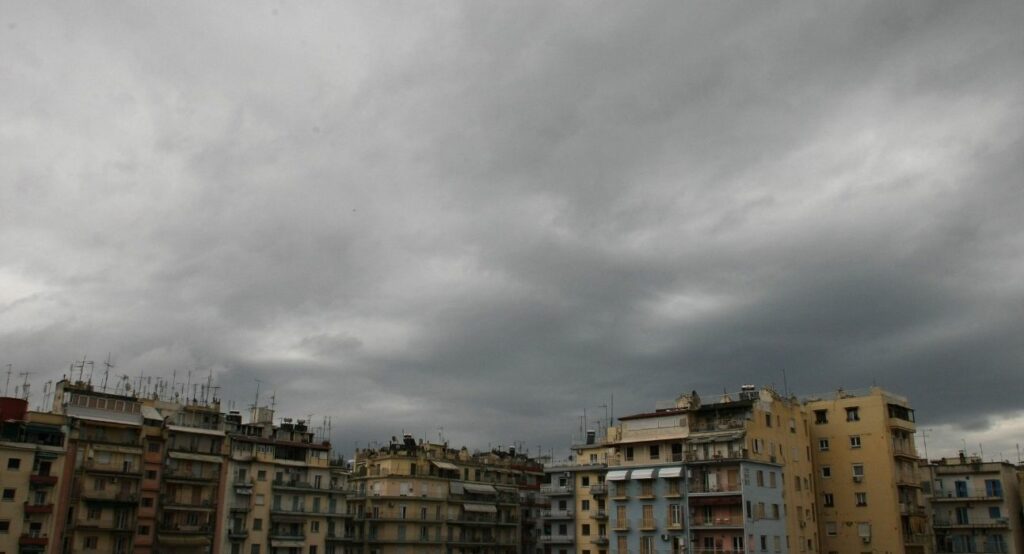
(490, 216)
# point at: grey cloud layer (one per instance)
(488, 217)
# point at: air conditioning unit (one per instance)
(866, 539)
(858, 478)
(665, 537)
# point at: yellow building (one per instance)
(31, 465)
(427, 498)
(870, 497)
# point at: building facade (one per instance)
(426, 498)
(976, 506)
(32, 459)
(866, 470)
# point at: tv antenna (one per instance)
(7, 385)
(107, 366)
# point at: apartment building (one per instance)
(866, 471)
(100, 506)
(426, 498)
(976, 505)
(729, 475)
(576, 516)
(284, 496)
(32, 459)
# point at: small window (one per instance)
(147, 501)
(629, 453)
(261, 475)
(154, 447)
(823, 445)
(585, 505)
(150, 474)
(8, 495)
(654, 451)
(826, 472)
(820, 416)
(830, 528)
(858, 470)
(853, 414)
(585, 530)
(91, 543)
(767, 420)
(828, 500)
(144, 530)
(585, 481)
(861, 498)
(994, 512)
(13, 463)
(257, 524)
(855, 441)
(5, 526)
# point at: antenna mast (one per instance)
(7, 385)
(106, 371)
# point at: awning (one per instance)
(197, 430)
(642, 474)
(480, 508)
(149, 412)
(477, 488)
(194, 457)
(287, 543)
(114, 448)
(505, 488)
(616, 475)
(670, 472)
(445, 465)
(717, 437)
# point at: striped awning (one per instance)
(642, 474)
(670, 472)
(616, 475)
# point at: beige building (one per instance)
(427, 498)
(283, 495)
(976, 506)
(32, 459)
(866, 469)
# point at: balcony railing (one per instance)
(551, 489)
(557, 514)
(731, 455)
(598, 489)
(721, 488)
(42, 480)
(550, 539)
(33, 538)
(621, 524)
(38, 508)
(999, 523)
(717, 522)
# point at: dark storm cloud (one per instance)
(490, 217)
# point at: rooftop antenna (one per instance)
(25, 385)
(256, 403)
(92, 368)
(785, 383)
(209, 383)
(106, 371)
(7, 385)
(273, 400)
(188, 383)
(924, 439)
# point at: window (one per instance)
(147, 501)
(646, 488)
(826, 472)
(771, 479)
(314, 526)
(994, 512)
(647, 545)
(767, 420)
(654, 451)
(862, 498)
(830, 528)
(254, 549)
(828, 500)
(144, 530)
(585, 481)
(853, 414)
(823, 445)
(854, 441)
(820, 416)
(153, 447)
(585, 530)
(858, 471)
(312, 549)
(94, 513)
(91, 543)
(13, 463)
(585, 505)
(261, 475)
(257, 524)
(5, 526)
(993, 487)
(260, 500)
(8, 495)
(629, 453)
(150, 474)
(760, 478)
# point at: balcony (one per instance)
(599, 515)
(693, 456)
(177, 529)
(556, 490)
(950, 497)
(32, 539)
(42, 480)
(555, 539)
(717, 523)
(599, 541)
(38, 508)
(621, 524)
(191, 477)
(719, 489)
(283, 535)
(598, 489)
(341, 537)
(171, 503)
(112, 496)
(238, 534)
(131, 472)
(294, 485)
(648, 524)
(557, 514)
(1001, 523)
(908, 509)
(904, 451)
